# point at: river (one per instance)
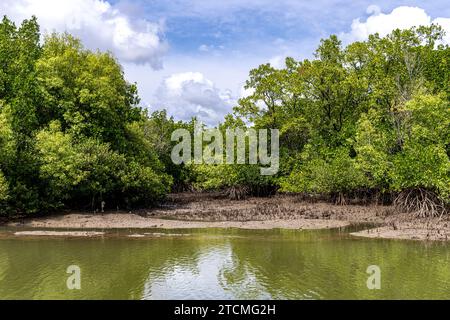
(223, 264)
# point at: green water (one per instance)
(224, 264)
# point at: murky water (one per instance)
(224, 264)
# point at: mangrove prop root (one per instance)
(423, 203)
(238, 192)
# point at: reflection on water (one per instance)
(224, 264)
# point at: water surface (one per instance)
(224, 264)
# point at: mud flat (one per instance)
(419, 229)
(194, 210)
(40, 233)
(216, 207)
(132, 221)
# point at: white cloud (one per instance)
(278, 62)
(98, 23)
(444, 23)
(204, 48)
(246, 92)
(373, 9)
(191, 94)
(383, 23)
(216, 50)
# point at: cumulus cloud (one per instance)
(191, 94)
(400, 18)
(98, 23)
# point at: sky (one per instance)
(192, 57)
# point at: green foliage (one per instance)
(4, 190)
(7, 142)
(154, 134)
(213, 177)
(19, 102)
(326, 175)
(424, 160)
(60, 163)
(370, 116)
(372, 146)
(90, 170)
(85, 91)
(71, 130)
(418, 166)
(237, 180)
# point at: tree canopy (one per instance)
(71, 128)
(371, 119)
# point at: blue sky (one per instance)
(193, 56)
(242, 24)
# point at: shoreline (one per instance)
(426, 229)
(193, 211)
(132, 221)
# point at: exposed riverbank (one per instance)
(132, 221)
(407, 227)
(189, 210)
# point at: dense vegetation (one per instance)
(71, 131)
(371, 120)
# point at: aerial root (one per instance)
(238, 192)
(423, 203)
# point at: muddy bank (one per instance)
(407, 227)
(58, 233)
(405, 233)
(133, 221)
(216, 207)
(192, 210)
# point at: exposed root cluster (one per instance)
(219, 207)
(238, 192)
(423, 203)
